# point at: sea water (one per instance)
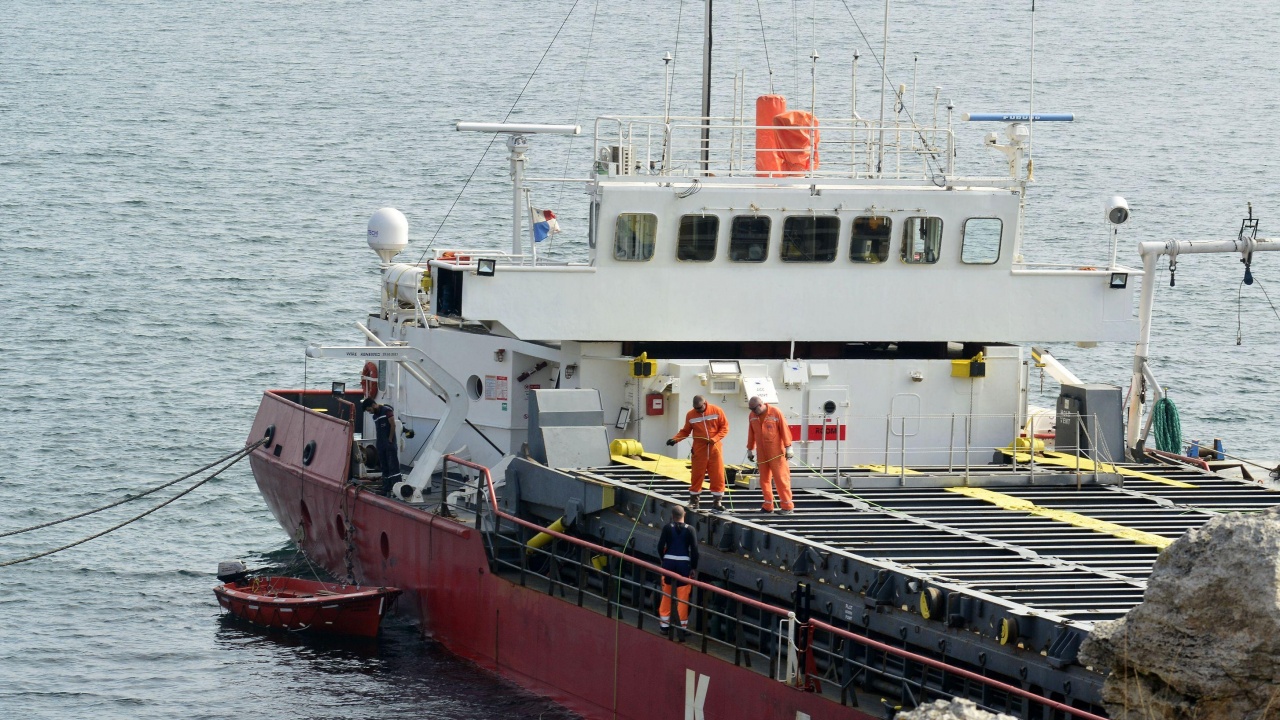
(183, 193)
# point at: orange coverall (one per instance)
(769, 436)
(707, 429)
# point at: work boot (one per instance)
(666, 632)
(784, 511)
(683, 634)
(693, 501)
(718, 504)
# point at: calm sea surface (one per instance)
(183, 192)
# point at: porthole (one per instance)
(309, 453)
(475, 387)
(269, 436)
(385, 545)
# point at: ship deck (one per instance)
(1000, 570)
(1032, 540)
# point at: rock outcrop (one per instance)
(951, 710)
(1205, 642)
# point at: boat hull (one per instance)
(307, 605)
(593, 664)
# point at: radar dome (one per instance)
(388, 233)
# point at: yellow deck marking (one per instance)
(1064, 460)
(659, 465)
(887, 469)
(1013, 504)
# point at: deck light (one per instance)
(1119, 280)
(486, 267)
(339, 388)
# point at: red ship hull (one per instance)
(298, 605)
(595, 665)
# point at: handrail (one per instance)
(493, 499)
(874, 644)
(1180, 459)
(683, 145)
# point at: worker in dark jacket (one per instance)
(678, 548)
(384, 424)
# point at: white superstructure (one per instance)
(880, 309)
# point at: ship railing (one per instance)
(801, 651)
(1047, 268)
(468, 258)
(829, 445)
(847, 148)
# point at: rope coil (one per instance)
(1167, 426)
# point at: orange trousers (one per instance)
(664, 607)
(707, 459)
(769, 471)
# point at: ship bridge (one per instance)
(692, 245)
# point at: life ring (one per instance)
(369, 379)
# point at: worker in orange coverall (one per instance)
(770, 437)
(707, 425)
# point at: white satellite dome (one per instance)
(388, 233)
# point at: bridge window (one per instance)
(749, 238)
(981, 244)
(870, 239)
(921, 240)
(807, 238)
(634, 236)
(697, 240)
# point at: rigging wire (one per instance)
(1239, 313)
(1240, 310)
(1268, 296)
(764, 38)
(577, 103)
(493, 139)
(932, 156)
(675, 54)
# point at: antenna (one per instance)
(813, 82)
(706, 90)
(666, 92)
(1031, 98)
(853, 114)
(915, 74)
(884, 75)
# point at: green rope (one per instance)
(1167, 426)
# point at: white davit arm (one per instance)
(436, 380)
(1151, 252)
(1054, 367)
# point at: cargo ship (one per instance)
(948, 539)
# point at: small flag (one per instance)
(544, 224)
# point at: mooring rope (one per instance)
(1167, 426)
(131, 498)
(238, 456)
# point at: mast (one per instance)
(706, 90)
(884, 75)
